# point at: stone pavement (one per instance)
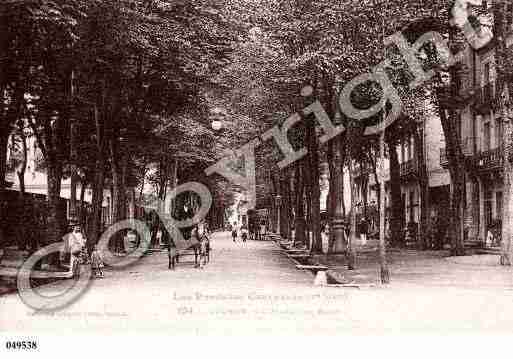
(252, 288)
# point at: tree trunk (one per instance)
(378, 181)
(504, 69)
(12, 113)
(131, 204)
(352, 233)
(342, 195)
(456, 161)
(55, 226)
(284, 208)
(507, 211)
(309, 217)
(82, 210)
(96, 223)
(98, 187)
(396, 203)
(74, 176)
(20, 171)
(141, 190)
(457, 175)
(300, 223)
(332, 192)
(365, 186)
(423, 237)
(275, 180)
(4, 140)
(384, 272)
(23, 236)
(118, 197)
(313, 155)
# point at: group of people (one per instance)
(74, 251)
(242, 229)
(362, 229)
(254, 230)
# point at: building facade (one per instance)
(438, 177)
(481, 134)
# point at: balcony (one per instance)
(361, 171)
(409, 169)
(467, 147)
(490, 160)
(485, 99)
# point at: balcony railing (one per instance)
(408, 168)
(485, 98)
(467, 147)
(490, 160)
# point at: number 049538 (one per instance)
(20, 345)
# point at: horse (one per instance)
(201, 249)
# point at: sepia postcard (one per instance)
(222, 168)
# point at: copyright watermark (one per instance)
(246, 179)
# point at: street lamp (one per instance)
(217, 124)
(337, 223)
(278, 212)
(217, 114)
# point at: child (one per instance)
(97, 262)
(203, 251)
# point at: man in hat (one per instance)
(74, 243)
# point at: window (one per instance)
(498, 132)
(488, 208)
(412, 204)
(403, 202)
(486, 137)
(487, 73)
(498, 202)
(408, 150)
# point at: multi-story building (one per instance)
(481, 135)
(438, 177)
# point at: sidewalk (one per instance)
(415, 268)
(428, 269)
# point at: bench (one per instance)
(314, 268)
(12, 259)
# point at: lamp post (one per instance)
(278, 213)
(338, 234)
(337, 226)
(216, 124)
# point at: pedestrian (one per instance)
(364, 227)
(326, 234)
(490, 240)
(263, 227)
(234, 231)
(244, 232)
(97, 262)
(74, 249)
